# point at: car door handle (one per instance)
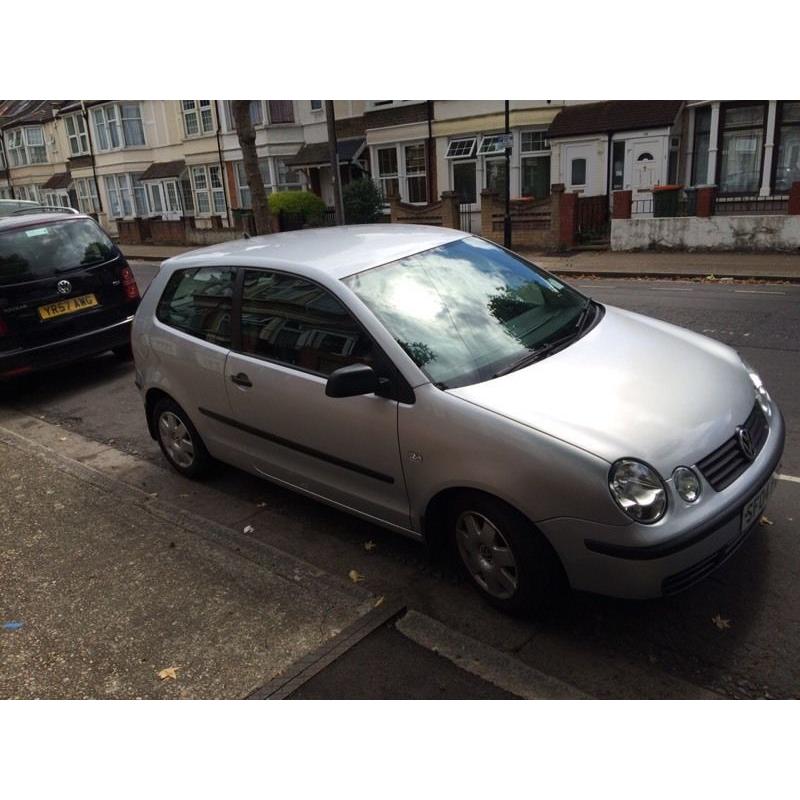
(240, 379)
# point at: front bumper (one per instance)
(602, 559)
(64, 351)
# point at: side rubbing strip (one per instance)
(300, 448)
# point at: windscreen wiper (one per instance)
(535, 355)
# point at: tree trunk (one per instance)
(247, 142)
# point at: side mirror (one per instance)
(351, 381)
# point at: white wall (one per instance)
(754, 233)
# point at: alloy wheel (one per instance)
(176, 439)
(487, 555)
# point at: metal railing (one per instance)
(752, 204)
(465, 217)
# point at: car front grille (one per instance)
(722, 467)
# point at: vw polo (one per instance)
(443, 387)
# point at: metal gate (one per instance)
(465, 217)
(592, 219)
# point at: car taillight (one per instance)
(129, 284)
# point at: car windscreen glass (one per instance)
(39, 251)
(468, 310)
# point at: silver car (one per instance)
(443, 387)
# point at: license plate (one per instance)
(69, 306)
(752, 511)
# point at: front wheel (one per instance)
(179, 440)
(511, 564)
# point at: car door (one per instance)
(294, 334)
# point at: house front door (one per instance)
(645, 168)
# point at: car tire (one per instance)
(179, 440)
(510, 563)
(124, 352)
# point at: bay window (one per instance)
(276, 177)
(402, 172)
(245, 198)
(118, 125)
(535, 164)
(198, 118)
(127, 196)
(209, 193)
(87, 195)
(26, 146)
(76, 134)
(741, 148)
(787, 160)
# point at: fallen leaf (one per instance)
(721, 623)
(355, 576)
(153, 494)
(261, 505)
(378, 602)
(169, 672)
(369, 546)
(62, 438)
(766, 521)
(248, 529)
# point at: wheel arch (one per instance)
(150, 400)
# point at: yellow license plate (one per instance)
(69, 306)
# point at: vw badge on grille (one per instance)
(746, 443)
(64, 287)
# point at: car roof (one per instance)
(336, 251)
(24, 220)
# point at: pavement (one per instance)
(760, 266)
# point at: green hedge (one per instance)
(306, 203)
(363, 202)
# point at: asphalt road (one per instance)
(607, 648)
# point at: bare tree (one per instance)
(247, 142)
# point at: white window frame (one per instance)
(453, 145)
(108, 122)
(28, 191)
(86, 190)
(77, 136)
(21, 150)
(202, 112)
(314, 108)
(126, 194)
(402, 175)
(544, 152)
(268, 115)
(490, 145)
(206, 192)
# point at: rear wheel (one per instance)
(511, 564)
(179, 440)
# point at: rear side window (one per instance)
(41, 251)
(198, 301)
(300, 324)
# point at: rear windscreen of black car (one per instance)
(48, 249)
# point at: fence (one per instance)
(297, 220)
(751, 205)
(465, 217)
(592, 219)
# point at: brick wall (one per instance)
(443, 213)
(534, 223)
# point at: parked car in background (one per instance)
(8, 207)
(442, 386)
(66, 292)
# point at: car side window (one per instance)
(198, 302)
(297, 322)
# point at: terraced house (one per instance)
(171, 171)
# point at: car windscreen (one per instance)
(40, 251)
(469, 310)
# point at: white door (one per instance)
(580, 167)
(644, 170)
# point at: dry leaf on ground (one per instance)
(369, 546)
(721, 623)
(766, 521)
(378, 601)
(168, 673)
(355, 576)
(248, 529)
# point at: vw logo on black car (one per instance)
(746, 443)
(64, 287)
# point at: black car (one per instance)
(66, 292)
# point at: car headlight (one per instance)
(638, 490)
(687, 484)
(762, 395)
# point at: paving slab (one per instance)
(104, 587)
